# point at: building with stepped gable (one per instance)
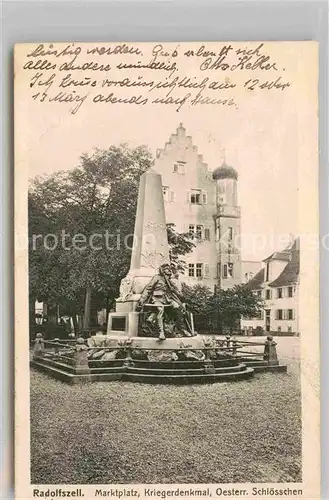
(203, 203)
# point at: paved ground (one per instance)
(118, 432)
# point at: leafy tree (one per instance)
(180, 244)
(97, 200)
(198, 300)
(234, 303)
(222, 310)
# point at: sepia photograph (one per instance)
(166, 268)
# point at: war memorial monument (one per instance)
(151, 337)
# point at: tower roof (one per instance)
(225, 172)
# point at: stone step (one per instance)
(189, 379)
(54, 363)
(71, 378)
(270, 368)
(254, 363)
(53, 371)
(181, 371)
(183, 365)
(71, 369)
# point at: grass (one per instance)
(118, 432)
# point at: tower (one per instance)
(228, 226)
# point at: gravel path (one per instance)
(121, 432)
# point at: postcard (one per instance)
(167, 270)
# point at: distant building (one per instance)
(203, 203)
(248, 269)
(278, 284)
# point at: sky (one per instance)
(261, 139)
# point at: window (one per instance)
(199, 231)
(218, 269)
(221, 199)
(225, 273)
(279, 293)
(179, 167)
(167, 194)
(196, 231)
(268, 294)
(217, 233)
(195, 197)
(290, 314)
(199, 270)
(230, 233)
(290, 291)
(259, 293)
(207, 234)
(191, 270)
(279, 314)
(230, 269)
(165, 190)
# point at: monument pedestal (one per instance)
(135, 342)
(123, 324)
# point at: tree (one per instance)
(222, 310)
(180, 244)
(233, 304)
(81, 225)
(84, 208)
(198, 300)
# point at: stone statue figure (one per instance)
(163, 292)
(126, 287)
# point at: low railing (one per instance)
(76, 354)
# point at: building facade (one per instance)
(249, 268)
(204, 204)
(277, 283)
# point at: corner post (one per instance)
(80, 359)
(270, 354)
(39, 346)
(128, 361)
(209, 366)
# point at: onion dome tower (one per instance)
(228, 226)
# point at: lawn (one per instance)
(121, 432)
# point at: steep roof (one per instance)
(285, 256)
(256, 281)
(288, 276)
(290, 273)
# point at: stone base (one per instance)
(196, 342)
(125, 306)
(122, 324)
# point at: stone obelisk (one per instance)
(150, 246)
(150, 251)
